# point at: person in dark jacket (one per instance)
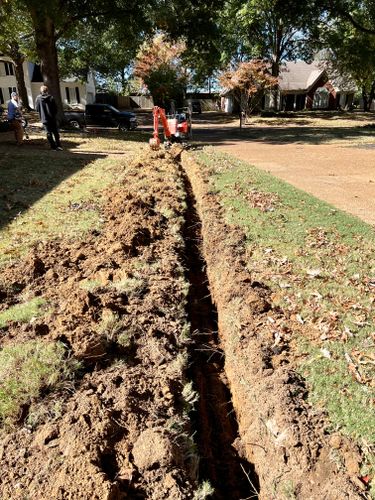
(45, 105)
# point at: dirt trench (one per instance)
(128, 424)
(168, 273)
(280, 433)
(117, 302)
(215, 421)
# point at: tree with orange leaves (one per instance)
(159, 65)
(248, 83)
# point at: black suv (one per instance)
(107, 116)
(101, 115)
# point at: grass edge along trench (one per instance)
(319, 264)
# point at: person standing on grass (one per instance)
(45, 105)
(14, 118)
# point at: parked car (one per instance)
(196, 107)
(102, 115)
(75, 118)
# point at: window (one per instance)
(10, 90)
(9, 68)
(1, 97)
(321, 98)
(77, 95)
(67, 93)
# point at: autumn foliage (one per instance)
(248, 83)
(159, 66)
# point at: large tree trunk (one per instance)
(45, 40)
(371, 96)
(275, 71)
(365, 99)
(18, 60)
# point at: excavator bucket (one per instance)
(154, 143)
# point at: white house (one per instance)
(8, 82)
(73, 91)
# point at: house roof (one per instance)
(299, 75)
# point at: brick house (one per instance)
(308, 86)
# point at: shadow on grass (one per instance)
(113, 133)
(286, 135)
(29, 172)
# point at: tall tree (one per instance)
(16, 42)
(108, 50)
(56, 18)
(275, 30)
(351, 55)
(160, 67)
(360, 14)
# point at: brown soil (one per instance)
(122, 429)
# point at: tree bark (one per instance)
(372, 95)
(45, 40)
(275, 71)
(365, 99)
(18, 60)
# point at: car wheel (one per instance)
(75, 124)
(124, 127)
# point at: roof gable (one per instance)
(299, 75)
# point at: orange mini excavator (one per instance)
(177, 127)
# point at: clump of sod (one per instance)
(26, 370)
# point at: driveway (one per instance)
(330, 156)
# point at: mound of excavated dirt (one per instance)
(279, 432)
(117, 300)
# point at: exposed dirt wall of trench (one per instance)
(120, 430)
(280, 433)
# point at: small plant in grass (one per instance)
(133, 287)
(124, 340)
(179, 364)
(110, 325)
(89, 285)
(185, 336)
(167, 212)
(204, 491)
(190, 395)
(22, 313)
(44, 411)
(27, 369)
(288, 490)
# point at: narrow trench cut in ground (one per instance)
(214, 420)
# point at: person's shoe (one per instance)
(59, 148)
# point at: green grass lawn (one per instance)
(46, 194)
(319, 263)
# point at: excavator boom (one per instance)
(155, 140)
